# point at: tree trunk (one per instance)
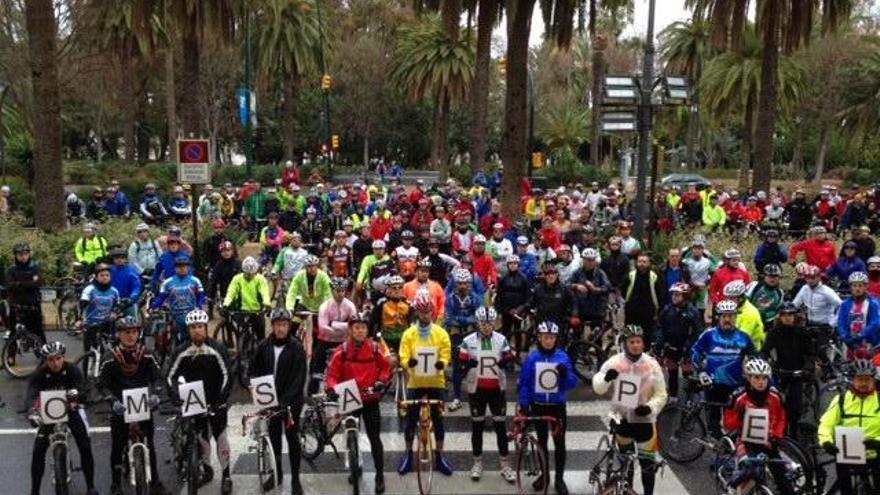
(191, 122)
(480, 88)
(366, 151)
(142, 131)
(439, 143)
(126, 97)
(824, 137)
(767, 104)
(599, 44)
(290, 117)
(450, 12)
(516, 100)
(747, 131)
(170, 95)
(48, 170)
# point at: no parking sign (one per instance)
(194, 157)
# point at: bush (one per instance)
(565, 168)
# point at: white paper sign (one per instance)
(626, 391)
(487, 365)
(137, 404)
(349, 397)
(427, 360)
(850, 442)
(756, 425)
(193, 396)
(546, 378)
(53, 406)
(263, 391)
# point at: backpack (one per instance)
(152, 245)
(101, 242)
(373, 344)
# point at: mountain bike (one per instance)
(425, 442)
(59, 446)
(21, 348)
(266, 467)
(531, 458)
(186, 443)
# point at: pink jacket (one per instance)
(333, 320)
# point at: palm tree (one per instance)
(683, 45)
(289, 45)
(486, 20)
(428, 63)
(863, 111)
(47, 184)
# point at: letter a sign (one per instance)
(193, 396)
(349, 397)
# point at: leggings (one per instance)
(294, 448)
(494, 399)
(457, 372)
(217, 424)
(642, 436)
(558, 412)
(412, 414)
(76, 423)
(371, 417)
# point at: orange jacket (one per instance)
(411, 289)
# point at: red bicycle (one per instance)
(531, 457)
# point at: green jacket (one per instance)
(714, 216)
(255, 205)
(89, 251)
(252, 295)
(310, 299)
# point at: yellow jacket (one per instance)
(749, 321)
(439, 339)
(856, 412)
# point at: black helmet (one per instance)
(862, 367)
(118, 252)
(279, 314)
(182, 260)
(127, 322)
(21, 247)
(101, 267)
(359, 317)
(788, 308)
(772, 270)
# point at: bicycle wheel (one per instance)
(266, 463)
(354, 464)
(21, 354)
(193, 465)
(225, 333)
(243, 358)
(311, 435)
(141, 487)
(69, 314)
(800, 464)
(60, 466)
(425, 461)
(586, 358)
(531, 462)
(678, 431)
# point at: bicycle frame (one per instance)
(137, 442)
(61, 436)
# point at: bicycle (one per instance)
(318, 426)
(266, 467)
(239, 325)
(425, 442)
(752, 477)
(59, 446)
(681, 424)
(586, 354)
(531, 458)
(136, 456)
(21, 348)
(612, 473)
(186, 443)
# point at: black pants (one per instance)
(717, 393)
(277, 425)
(371, 417)
(83, 443)
(119, 442)
(31, 318)
(478, 401)
(846, 471)
(412, 414)
(558, 412)
(640, 433)
(793, 390)
(321, 352)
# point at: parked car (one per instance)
(685, 180)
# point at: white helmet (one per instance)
(379, 244)
(858, 277)
(726, 306)
(589, 253)
(250, 265)
(758, 367)
(735, 289)
(196, 317)
(486, 313)
(71, 198)
(461, 275)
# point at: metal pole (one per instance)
(531, 122)
(249, 127)
(195, 222)
(327, 137)
(656, 158)
(3, 91)
(645, 116)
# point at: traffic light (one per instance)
(537, 159)
(326, 82)
(336, 141)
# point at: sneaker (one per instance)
(207, 475)
(269, 484)
(405, 465)
(380, 483)
(455, 405)
(442, 465)
(477, 470)
(226, 485)
(561, 489)
(507, 473)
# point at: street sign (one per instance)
(194, 161)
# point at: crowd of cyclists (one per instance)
(382, 272)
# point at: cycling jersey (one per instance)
(309, 291)
(248, 295)
(340, 261)
(528, 395)
(859, 321)
(183, 294)
(126, 280)
(166, 267)
(723, 276)
(333, 319)
(499, 250)
(272, 237)
(411, 341)
(749, 321)
(476, 346)
(390, 317)
(721, 353)
(208, 363)
(821, 254)
(766, 299)
(372, 269)
(854, 411)
(652, 387)
(98, 304)
(407, 257)
(90, 251)
(289, 262)
(460, 311)
(821, 303)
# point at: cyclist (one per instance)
(441, 263)
(166, 267)
(528, 262)
(678, 326)
(374, 270)
(422, 283)
(249, 292)
(791, 349)
(817, 249)
(748, 318)
(284, 358)
(407, 255)
(23, 281)
(719, 354)
(360, 358)
(591, 287)
(271, 239)
(731, 270)
(770, 252)
(126, 281)
(821, 303)
(425, 334)
(205, 359)
(485, 384)
(535, 403)
(333, 322)
(90, 248)
(144, 252)
(644, 294)
(152, 209)
(179, 205)
(758, 394)
(499, 247)
(391, 315)
(129, 365)
(858, 319)
(766, 295)
(339, 255)
(309, 288)
(183, 293)
(460, 320)
(847, 264)
(552, 301)
(639, 424)
(96, 304)
(220, 275)
(701, 268)
(484, 266)
(291, 259)
(58, 374)
(211, 245)
(511, 297)
(312, 230)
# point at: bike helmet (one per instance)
(279, 314)
(550, 268)
(118, 252)
(548, 327)
(72, 199)
(812, 271)
(732, 254)
(379, 244)
(771, 233)
(726, 307)
(735, 289)
(407, 234)
(758, 367)
(589, 254)
(21, 247)
(250, 265)
(150, 186)
(311, 260)
(772, 270)
(423, 303)
(512, 259)
(359, 317)
(142, 227)
(225, 245)
(486, 314)
(175, 230)
(632, 330)
(850, 245)
(788, 308)
(127, 322)
(873, 260)
(818, 229)
(680, 287)
(311, 211)
(348, 223)
(858, 278)
(89, 227)
(863, 367)
(522, 240)
(394, 281)
(53, 349)
(339, 283)
(101, 267)
(424, 263)
(479, 239)
(196, 317)
(462, 276)
(182, 260)
(699, 240)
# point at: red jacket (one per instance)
(462, 242)
(752, 214)
(733, 416)
(489, 220)
(723, 276)
(421, 219)
(380, 227)
(290, 176)
(824, 209)
(874, 288)
(551, 238)
(821, 254)
(485, 268)
(366, 365)
(734, 209)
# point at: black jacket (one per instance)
(208, 363)
(555, 303)
(591, 305)
(790, 346)
(23, 282)
(512, 292)
(678, 327)
(291, 376)
(70, 377)
(212, 250)
(616, 266)
(124, 369)
(221, 276)
(799, 215)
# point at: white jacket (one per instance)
(652, 389)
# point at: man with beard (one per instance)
(643, 294)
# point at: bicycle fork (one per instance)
(145, 452)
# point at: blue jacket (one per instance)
(767, 253)
(182, 295)
(127, 281)
(870, 321)
(478, 289)
(527, 393)
(844, 266)
(97, 304)
(460, 311)
(165, 268)
(528, 265)
(721, 354)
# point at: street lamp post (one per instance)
(249, 124)
(326, 90)
(645, 116)
(4, 89)
(531, 121)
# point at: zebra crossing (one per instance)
(328, 474)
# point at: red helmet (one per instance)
(422, 303)
(218, 224)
